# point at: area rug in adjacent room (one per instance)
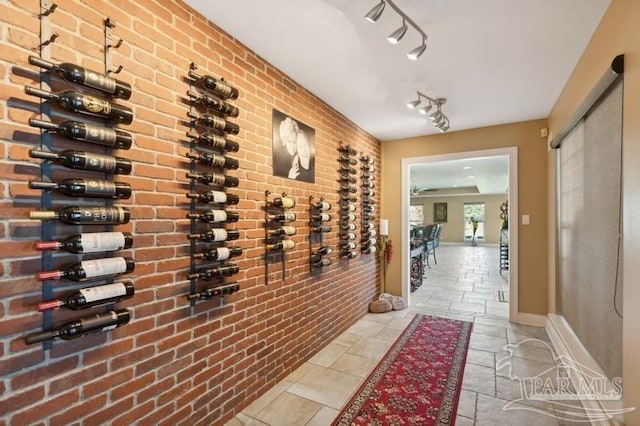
(418, 381)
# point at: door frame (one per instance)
(512, 196)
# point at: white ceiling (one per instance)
(496, 61)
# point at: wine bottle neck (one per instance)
(40, 93)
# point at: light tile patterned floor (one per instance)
(463, 285)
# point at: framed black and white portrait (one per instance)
(294, 148)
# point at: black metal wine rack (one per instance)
(319, 225)
(209, 109)
(276, 241)
(347, 205)
(368, 233)
(51, 230)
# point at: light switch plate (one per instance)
(525, 219)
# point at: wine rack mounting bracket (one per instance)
(269, 257)
(46, 39)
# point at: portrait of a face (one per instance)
(293, 148)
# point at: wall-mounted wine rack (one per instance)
(277, 230)
(93, 94)
(368, 232)
(319, 225)
(208, 148)
(347, 191)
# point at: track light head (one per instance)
(414, 104)
(415, 53)
(396, 36)
(375, 13)
(425, 109)
(436, 115)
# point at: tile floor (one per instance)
(463, 285)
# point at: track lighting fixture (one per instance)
(438, 118)
(375, 13)
(394, 38)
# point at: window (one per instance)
(476, 211)
(416, 215)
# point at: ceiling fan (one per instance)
(417, 191)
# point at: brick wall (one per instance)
(170, 364)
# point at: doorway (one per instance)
(510, 154)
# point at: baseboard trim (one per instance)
(567, 344)
(530, 319)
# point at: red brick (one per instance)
(106, 382)
(21, 399)
(110, 411)
(44, 410)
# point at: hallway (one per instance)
(463, 285)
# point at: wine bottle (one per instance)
(215, 104)
(208, 274)
(78, 102)
(79, 187)
(282, 217)
(368, 225)
(284, 202)
(366, 217)
(347, 149)
(348, 188)
(345, 178)
(347, 169)
(215, 122)
(369, 241)
(349, 254)
(323, 206)
(321, 217)
(215, 197)
(370, 249)
(347, 245)
(369, 177)
(86, 215)
(92, 296)
(215, 160)
(82, 160)
(368, 184)
(348, 217)
(78, 131)
(323, 251)
(347, 160)
(93, 242)
(91, 269)
(347, 235)
(282, 231)
(283, 245)
(80, 75)
(321, 263)
(368, 209)
(348, 198)
(369, 233)
(219, 253)
(214, 179)
(367, 200)
(100, 322)
(348, 226)
(317, 229)
(214, 216)
(222, 290)
(215, 234)
(219, 87)
(348, 207)
(214, 141)
(368, 168)
(367, 159)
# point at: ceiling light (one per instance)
(437, 118)
(425, 109)
(396, 36)
(414, 104)
(375, 13)
(466, 168)
(415, 53)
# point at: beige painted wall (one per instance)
(453, 230)
(532, 199)
(618, 32)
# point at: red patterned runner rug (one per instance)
(418, 381)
